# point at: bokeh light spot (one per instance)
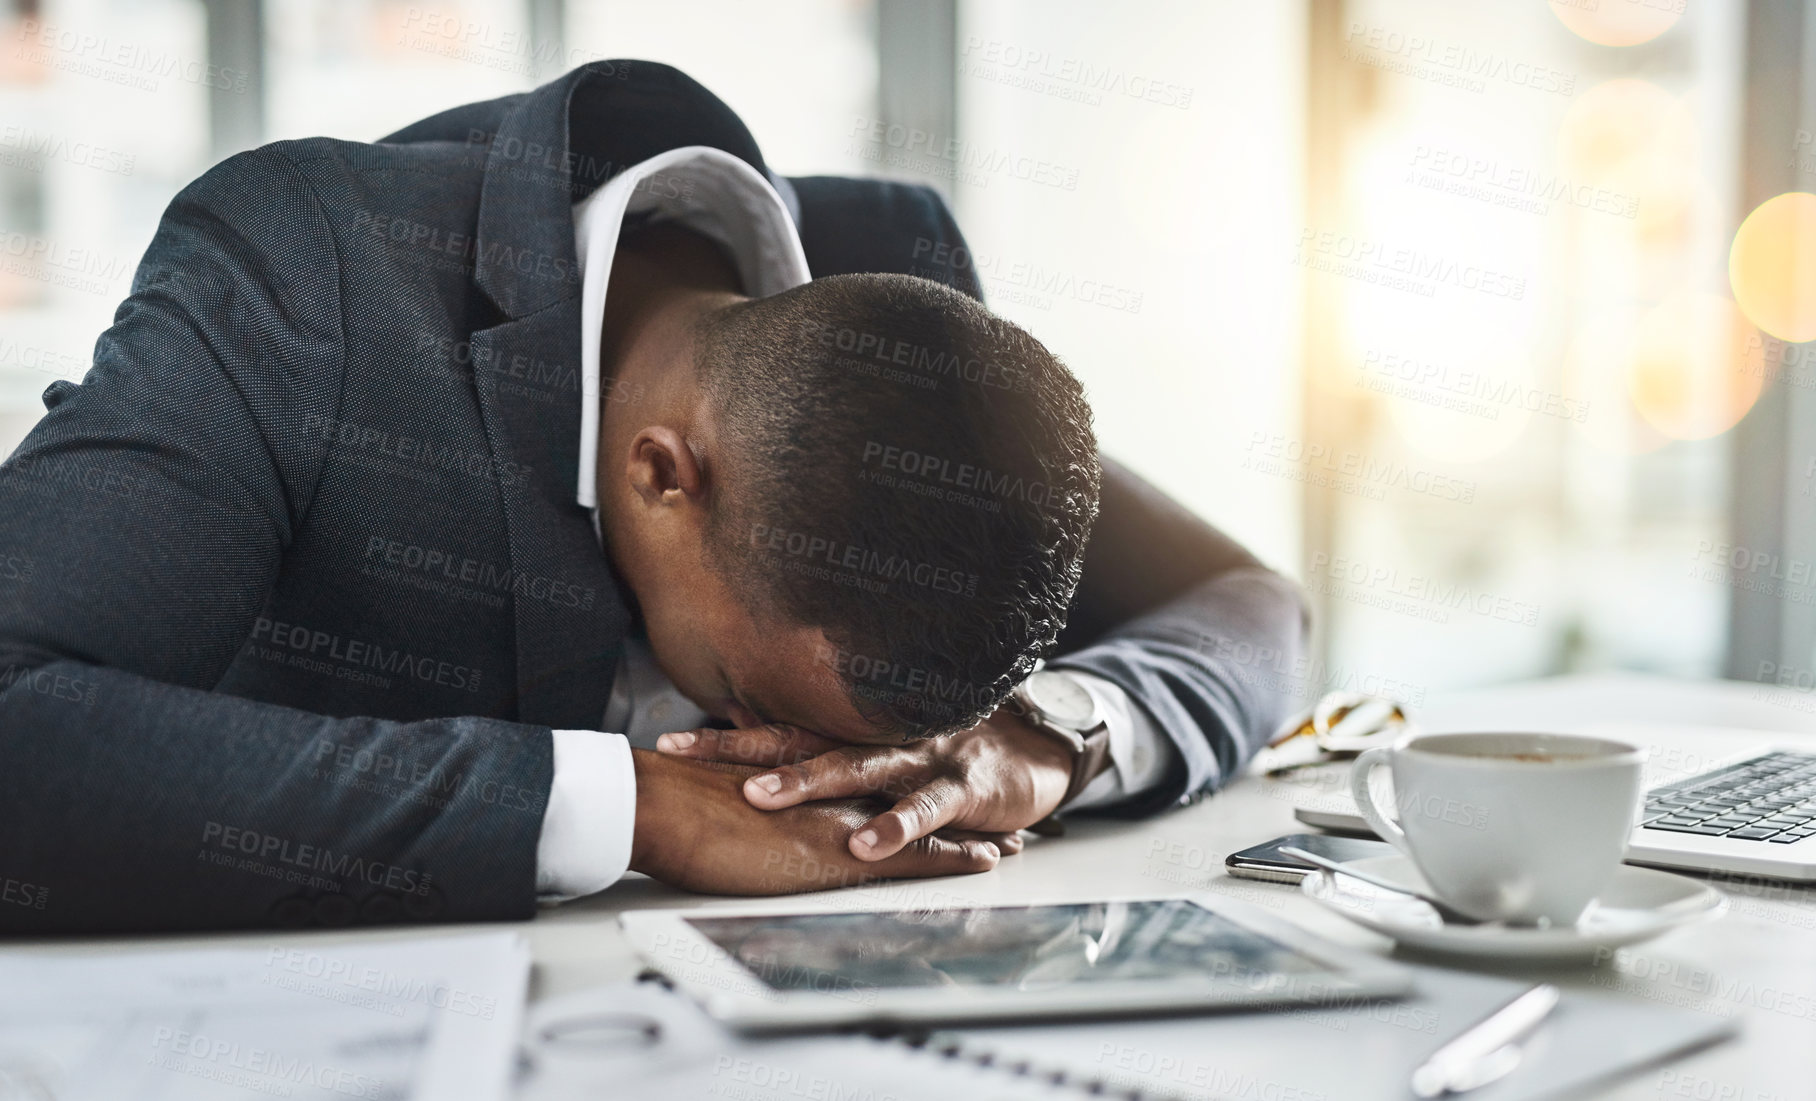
(1616, 22)
(1698, 365)
(1628, 134)
(1772, 266)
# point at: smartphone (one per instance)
(1266, 862)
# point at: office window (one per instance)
(1524, 365)
(800, 73)
(103, 117)
(359, 69)
(1130, 197)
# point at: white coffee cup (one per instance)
(1525, 828)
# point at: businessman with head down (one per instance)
(550, 490)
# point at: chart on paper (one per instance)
(382, 1021)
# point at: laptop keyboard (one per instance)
(1769, 798)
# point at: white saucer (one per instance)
(1639, 904)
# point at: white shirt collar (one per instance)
(710, 192)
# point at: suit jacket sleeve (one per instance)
(1194, 628)
(142, 524)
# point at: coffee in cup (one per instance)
(1523, 828)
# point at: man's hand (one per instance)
(999, 776)
(695, 830)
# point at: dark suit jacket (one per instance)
(293, 586)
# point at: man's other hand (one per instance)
(695, 830)
(999, 776)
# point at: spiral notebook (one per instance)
(642, 1041)
(1356, 1053)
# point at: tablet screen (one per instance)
(1018, 947)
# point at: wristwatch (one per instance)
(1058, 705)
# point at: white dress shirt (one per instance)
(586, 829)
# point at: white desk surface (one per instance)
(1757, 963)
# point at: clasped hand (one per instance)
(935, 807)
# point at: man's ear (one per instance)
(662, 469)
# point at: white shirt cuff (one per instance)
(1140, 752)
(586, 830)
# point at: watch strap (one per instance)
(1091, 762)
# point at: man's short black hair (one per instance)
(911, 474)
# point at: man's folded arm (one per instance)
(1199, 636)
(142, 527)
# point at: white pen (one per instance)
(1487, 1050)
